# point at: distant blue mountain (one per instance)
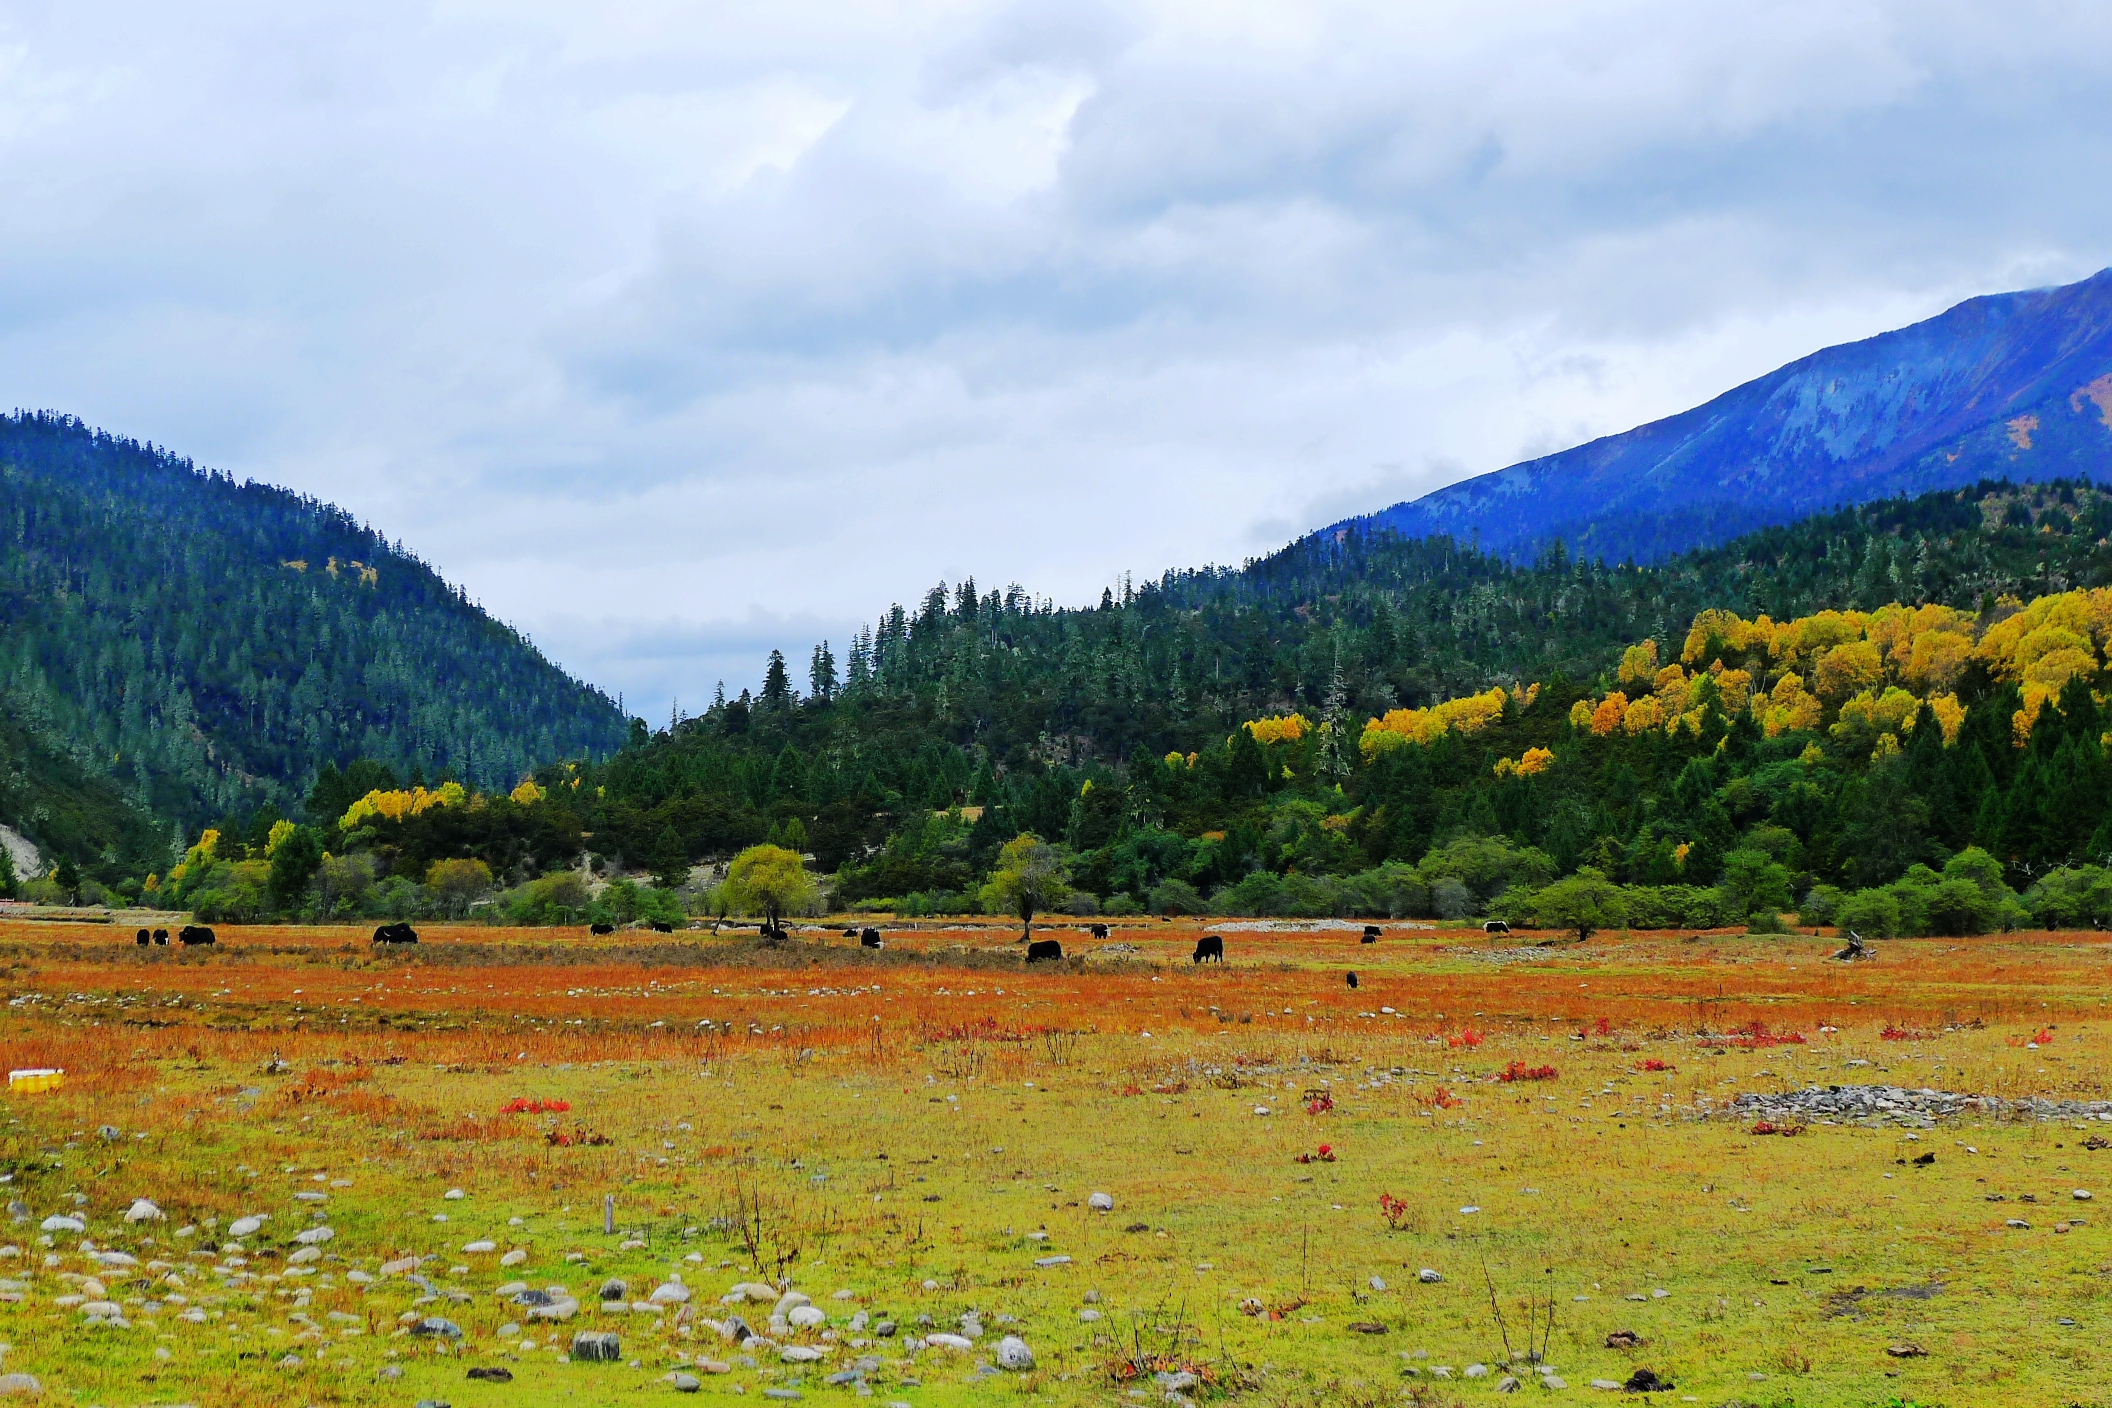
(2013, 385)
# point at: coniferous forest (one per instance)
(230, 698)
(1884, 717)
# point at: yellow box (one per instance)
(34, 1080)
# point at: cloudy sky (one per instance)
(681, 331)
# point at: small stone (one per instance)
(2081, 1195)
(478, 1248)
(514, 1257)
(945, 1341)
(1378, 1283)
(1013, 1354)
(615, 1289)
(1660, 1293)
(805, 1317)
(845, 1294)
(435, 1327)
(1088, 1315)
(791, 1394)
(1045, 1262)
(1906, 1351)
(600, 1346)
(885, 1329)
(454, 1195)
(2019, 1223)
(59, 1222)
(247, 1227)
(1101, 1202)
(309, 1237)
(1554, 1381)
(1428, 1277)
(1476, 1371)
(20, 1385)
(1506, 1384)
(754, 1291)
(801, 1354)
(144, 1211)
(400, 1266)
(683, 1383)
(1613, 1384)
(672, 1293)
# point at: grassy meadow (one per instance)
(919, 1133)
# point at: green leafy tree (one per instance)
(1583, 903)
(771, 881)
(67, 876)
(296, 855)
(1030, 876)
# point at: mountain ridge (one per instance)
(2011, 386)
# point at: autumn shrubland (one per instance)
(1545, 1128)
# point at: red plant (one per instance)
(1440, 1099)
(1394, 1210)
(1518, 1070)
(1653, 1064)
(519, 1106)
(1132, 1089)
(1602, 1027)
(580, 1137)
(1898, 1033)
(1467, 1037)
(1325, 1156)
(1785, 1130)
(2045, 1035)
(1320, 1104)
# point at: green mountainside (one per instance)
(176, 646)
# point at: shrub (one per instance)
(1176, 897)
(1820, 905)
(1874, 914)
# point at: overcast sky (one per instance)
(676, 332)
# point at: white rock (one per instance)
(143, 1211)
(454, 1195)
(475, 1248)
(303, 1255)
(1378, 1283)
(558, 1310)
(944, 1341)
(311, 1236)
(1428, 1277)
(2081, 1195)
(806, 1317)
(845, 1294)
(669, 1293)
(20, 1384)
(400, 1266)
(514, 1257)
(801, 1354)
(1101, 1202)
(1012, 1353)
(786, 1301)
(1476, 1371)
(59, 1222)
(102, 1309)
(245, 1226)
(753, 1291)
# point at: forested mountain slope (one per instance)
(208, 646)
(2015, 386)
(994, 699)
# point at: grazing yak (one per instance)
(397, 933)
(661, 926)
(868, 937)
(1039, 950)
(144, 938)
(1371, 934)
(161, 936)
(194, 934)
(1352, 980)
(1099, 931)
(1495, 926)
(600, 929)
(1209, 948)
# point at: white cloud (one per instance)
(675, 332)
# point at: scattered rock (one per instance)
(1476, 1371)
(683, 1383)
(514, 1257)
(59, 1222)
(478, 1248)
(1012, 1353)
(1625, 1339)
(803, 1317)
(144, 1211)
(801, 1354)
(1378, 1283)
(2081, 1195)
(597, 1346)
(754, 1291)
(454, 1195)
(1366, 1327)
(1554, 1381)
(1428, 1277)
(20, 1385)
(2019, 1223)
(669, 1293)
(434, 1327)
(1906, 1351)
(1101, 1202)
(1506, 1384)
(885, 1329)
(1088, 1315)
(311, 1236)
(492, 1376)
(945, 1341)
(1613, 1384)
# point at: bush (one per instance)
(1874, 914)
(1485, 865)
(2071, 897)
(1121, 904)
(1767, 921)
(1820, 905)
(557, 898)
(1176, 897)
